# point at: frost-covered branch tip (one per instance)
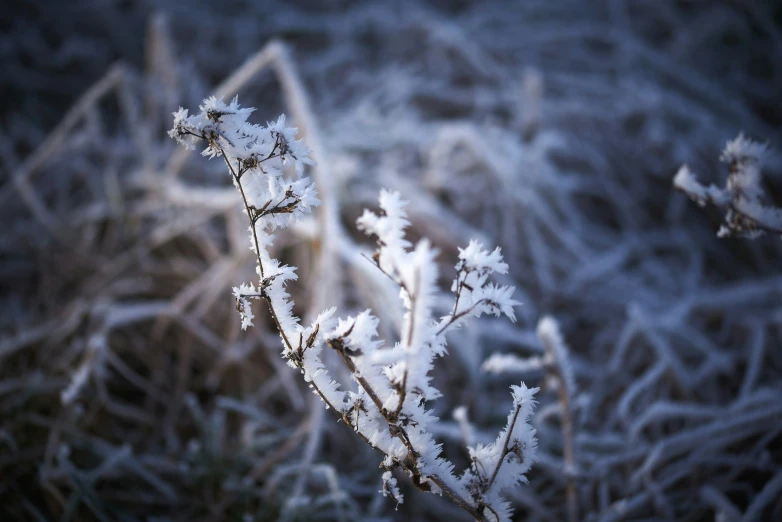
(558, 369)
(387, 405)
(748, 213)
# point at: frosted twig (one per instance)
(393, 384)
(747, 212)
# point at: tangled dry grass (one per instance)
(129, 392)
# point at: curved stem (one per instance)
(399, 431)
(505, 449)
(246, 209)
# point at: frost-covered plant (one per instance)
(748, 213)
(388, 407)
(559, 376)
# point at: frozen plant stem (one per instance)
(559, 368)
(387, 409)
(747, 212)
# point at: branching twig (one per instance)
(352, 340)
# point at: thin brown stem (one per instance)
(505, 449)
(568, 453)
(566, 418)
(458, 316)
(247, 210)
